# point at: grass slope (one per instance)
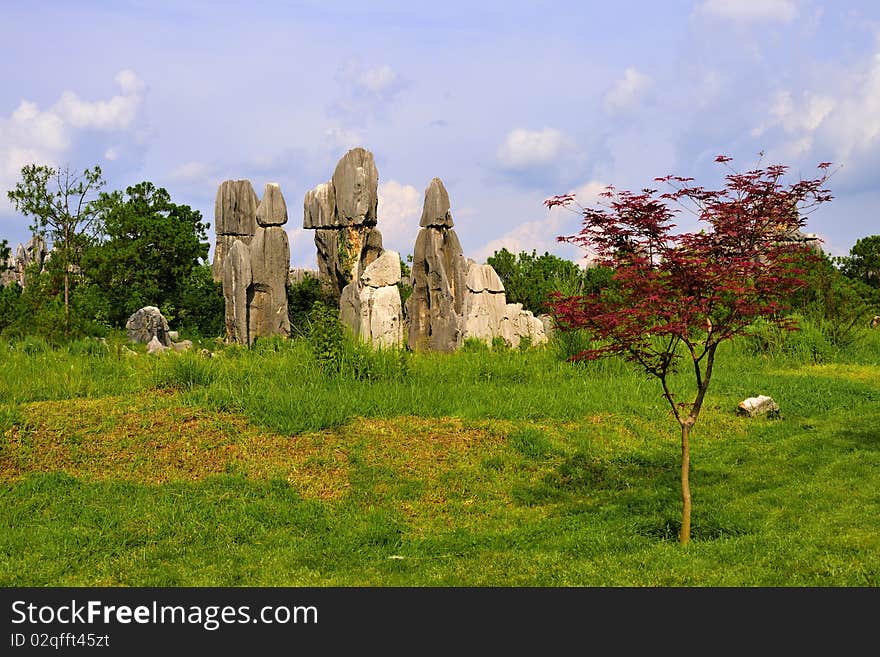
(507, 468)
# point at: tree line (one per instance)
(112, 253)
(115, 252)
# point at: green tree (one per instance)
(148, 250)
(200, 306)
(863, 262)
(529, 278)
(62, 204)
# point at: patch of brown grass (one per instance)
(152, 438)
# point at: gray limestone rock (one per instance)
(272, 210)
(34, 252)
(381, 316)
(519, 323)
(344, 252)
(319, 207)
(343, 214)
(485, 303)
(237, 278)
(435, 211)
(235, 208)
(355, 184)
(156, 347)
(183, 345)
(434, 309)
(383, 271)
(148, 323)
(267, 295)
(235, 217)
(483, 278)
(370, 306)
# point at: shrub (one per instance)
(339, 354)
(184, 372)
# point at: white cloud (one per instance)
(379, 80)
(367, 93)
(540, 234)
(190, 171)
(31, 135)
(342, 138)
(844, 124)
(400, 208)
(522, 148)
(853, 127)
(116, 113)
(749, 11)
(627, 92)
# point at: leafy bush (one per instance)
(529, 278)
(836, 306)
(301, 297)
(808, 343)
(567, 344)
(201, 305)
(339, 354)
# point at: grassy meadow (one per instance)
(479, 468)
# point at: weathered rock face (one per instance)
(272, 210)
(435, 211)
(147, 324)
(267, 295)
(488, 315)
(439, 272)
(237, 278)
(25, 255)
(370, 306)
(235, 218)
(343, 214)
(485, 303)
(355, 183)
(255, 268)
(154, 346)
(519, 324)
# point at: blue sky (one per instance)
(507, 102)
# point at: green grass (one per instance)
(480, 468)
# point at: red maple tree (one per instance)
(676, 296)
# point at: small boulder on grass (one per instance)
(156, 347)
(757, 406)
(184, 345)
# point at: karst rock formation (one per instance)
(252, 259)
(343, 214)
(439, 271)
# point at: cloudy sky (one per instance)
(507, 102)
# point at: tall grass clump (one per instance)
(339, 354)
(184, 372)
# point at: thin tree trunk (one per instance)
(684, 536)
(66, 282)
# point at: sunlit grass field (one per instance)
(479, 468)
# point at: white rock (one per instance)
(760, 405)
(156, 347)
(384, 270)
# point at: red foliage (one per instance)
(692, 290)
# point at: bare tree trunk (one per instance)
(66, 304)
(66, 282)
(684, 536)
